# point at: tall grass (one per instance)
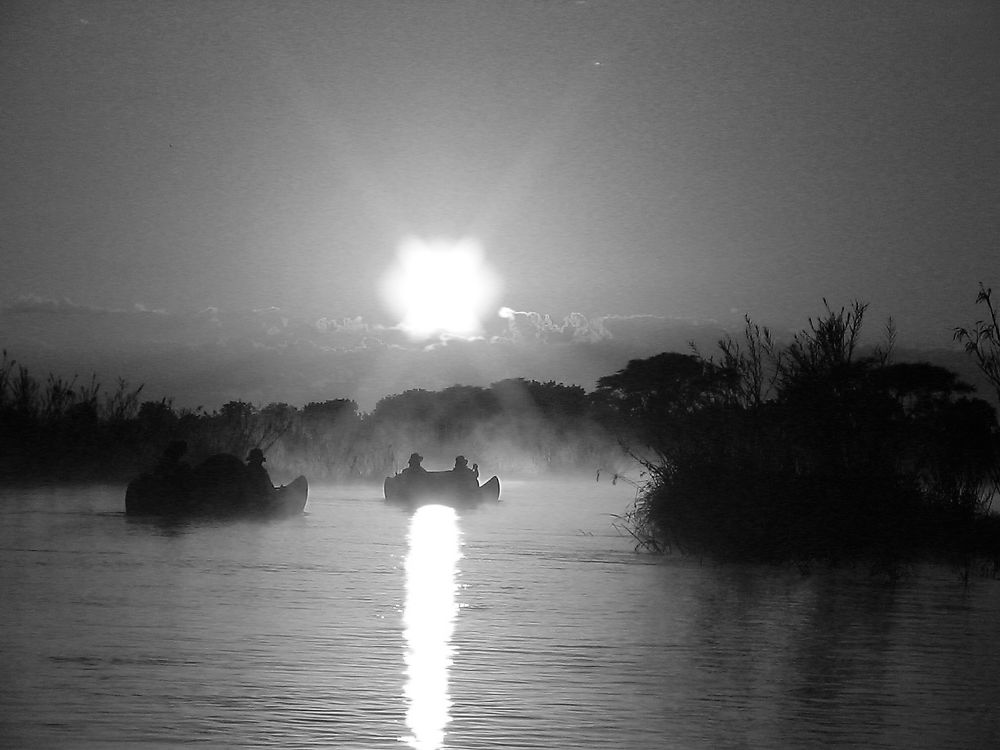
(816, 452)
(57, 428)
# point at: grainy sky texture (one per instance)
(695, 160)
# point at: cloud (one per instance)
(215, 355)
(540, 328)
(638, 330)
(31, 304)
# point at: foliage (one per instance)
(520, 426)
(811, 451)
(982, 341)
(58, 429)
(816, 450)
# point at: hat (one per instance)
(416, 458)
(256, 454)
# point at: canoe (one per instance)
(439, 487)
(219, 486)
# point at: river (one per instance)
(530, 623)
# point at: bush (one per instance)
(812, 452)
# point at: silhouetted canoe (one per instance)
(220, 486)
(439, 487)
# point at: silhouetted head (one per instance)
(461, 461)
(256, 456)
(415, 459)
(175, 449)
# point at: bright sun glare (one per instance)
(441, 287)
(429, 617)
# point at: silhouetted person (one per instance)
(173, 477)
(170, 468)
(465, 476)
(413, 466)
(259, 480)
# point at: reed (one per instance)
(814, 453)
(62, 429)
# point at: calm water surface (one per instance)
(527, 624)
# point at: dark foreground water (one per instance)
(528, 624)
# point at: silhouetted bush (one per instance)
(59, 430)
(812, 452)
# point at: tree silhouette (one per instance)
(982, 341)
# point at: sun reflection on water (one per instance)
(429, 619)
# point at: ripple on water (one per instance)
(294, 634)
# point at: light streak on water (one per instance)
(429, 620)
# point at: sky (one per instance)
(207, 197)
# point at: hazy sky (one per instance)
(695, 160)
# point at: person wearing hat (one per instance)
(170, 466)
(465, 476)
(413, 466)
(174, 475)
(259, 479)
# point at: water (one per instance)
(527, 624)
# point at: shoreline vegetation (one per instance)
(815, 452)
(62, 430)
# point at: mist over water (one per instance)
(528, 624)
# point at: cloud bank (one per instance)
(207, 357)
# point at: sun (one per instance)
(441, 288)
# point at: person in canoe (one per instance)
(413, 467)
(464, 476)
(259, 480)
(170, 468)
(171, 478)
